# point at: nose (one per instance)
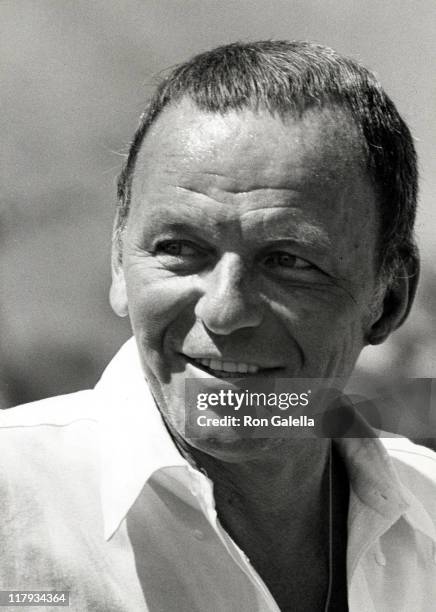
(229, 300)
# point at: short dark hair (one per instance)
(283, 78)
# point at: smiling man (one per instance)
(264, 231)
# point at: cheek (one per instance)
(327, 327)
(338, 345)
(318, 311)
(155, 304)
(346, 346)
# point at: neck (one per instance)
(278, 509)
(290, 476)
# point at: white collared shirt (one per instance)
(96, 499)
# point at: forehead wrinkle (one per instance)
(238, 179)
(187, 217)
(221, 196)
(198, 192)
(306, 234)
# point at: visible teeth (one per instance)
(215, 364)
(228, 366)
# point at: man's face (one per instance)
(250, 248)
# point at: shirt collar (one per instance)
(375, 482)
(135, 444)
(134, 440)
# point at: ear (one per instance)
(398, 300)
(118, 292)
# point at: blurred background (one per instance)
(74, 80)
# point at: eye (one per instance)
(177, 248)
(282, 260)
(181, 256)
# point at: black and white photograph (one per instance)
(218, 306)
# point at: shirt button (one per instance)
(380, 558)
(199, 535)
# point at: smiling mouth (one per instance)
(227, 369)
